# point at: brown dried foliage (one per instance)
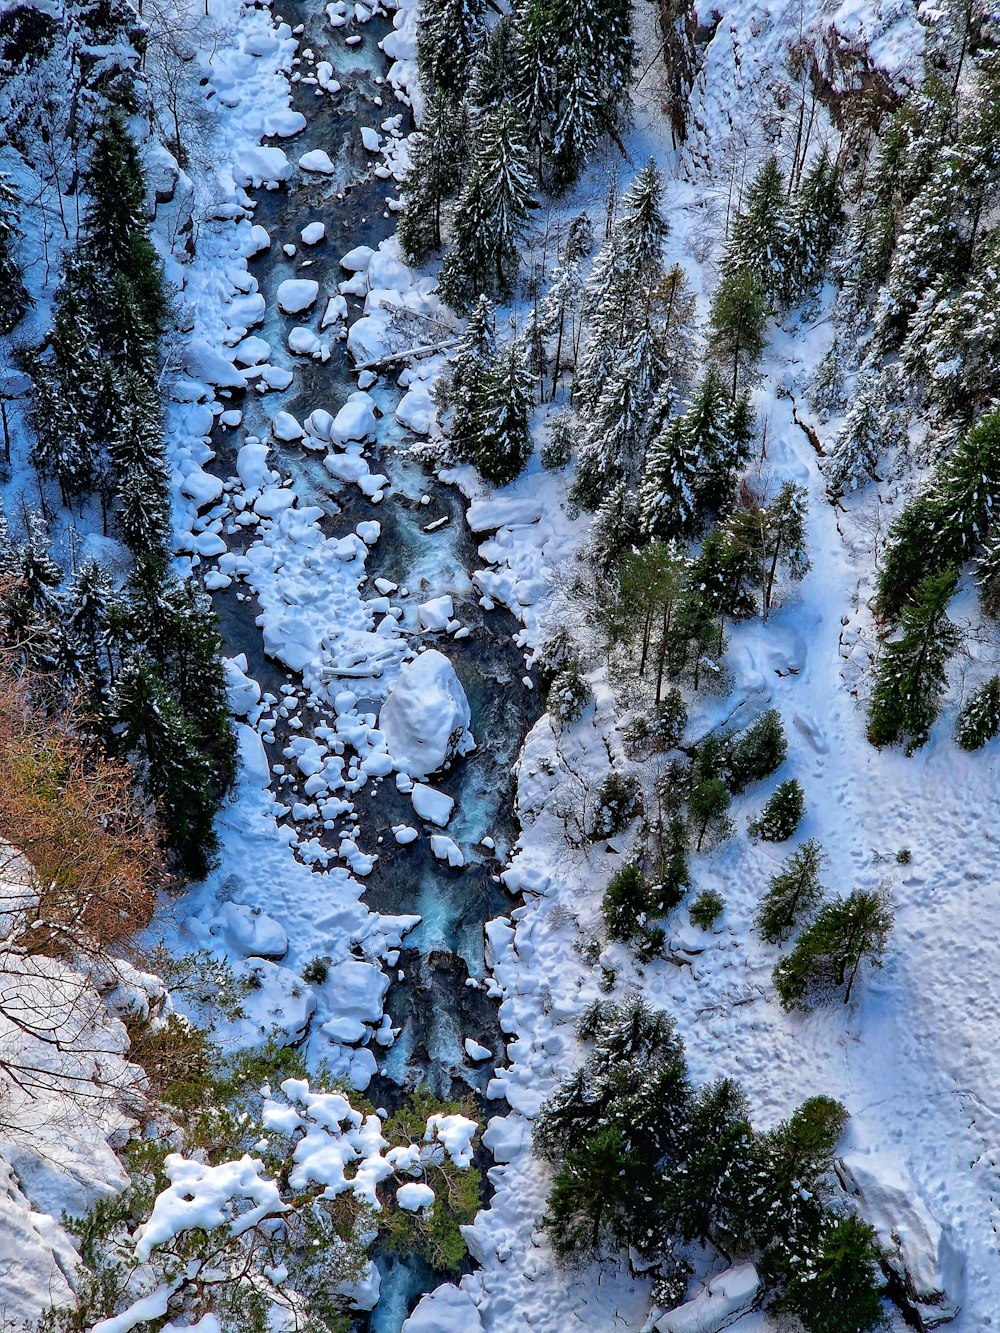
(75, 816)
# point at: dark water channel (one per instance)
(434, 1004)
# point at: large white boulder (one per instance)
(445, 1308)
(296, 295)
(425, 719)
(724, 1299)
(918, 1247)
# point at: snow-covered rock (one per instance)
(251, 932)
(318, 161)
(918, 1247)
(356, 419)
(447, 850)
(285, 427)
(447, 1308)
(296, 295)
(312, 233)
(431, 804)
(425, 719)
(726, 1297)
(242, 692)
(435, 614)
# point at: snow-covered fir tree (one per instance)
(437, 158)
(491, 215)
(14, 299)
(759, 244)
(503, 441)
(447, 40)
(873, 429)
(465, 390)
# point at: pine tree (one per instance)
(116, 188)
(709, 812)
(830, 953)
(759, 244)
(781, 815)
(33, 604)
(979, 719)
(153, 730)
(784, 544)
(14, 298)
(465, 391)
(826, 392)
(491, 216)
(534, 83)
(717, 435)
(988, 572)
(668, 495)
(793, 894)
(626, 902)
(448, 37)
(561, 305)
(911, 672)
(143, 507)
(503, 441)
(756, 753)
(838, 1290)
(814, 218)
(90, 610)
(872, 429)
(738, 314)
(125, 332)
(582, 111)
(437, 159)
(496, 69)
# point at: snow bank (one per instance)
(726, 1298)
(447, 1308)
(425, 720)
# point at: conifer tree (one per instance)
(830, 953)
(988, 572)
(911, 672)
(872, 429)
(560, 308)
(491, 216)
(838, 1288)
(14, 298)
(826, 392)
(448, 36)
(437, 159)
(668, 495)
(759, 243)
(154, 731)
(738, 314)
(784, 543)
(143, 507)
(503, 441)
(781, 815)
(979, 719)
(466, 389)
(793, 894)
(814, 218)
(116, 205)
(496, 69)
(756, 753)
(90, 613)
(33, 603)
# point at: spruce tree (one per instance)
(830, 953)
(496, 69)
(90, 614)
(668, 495)
(979, 719)
(988, 572)
(153, 730)
(448, 36)
(813, 221)
(911, 673)
(756, 753)
(784, 539)
(781, 815)
(14, 298)
(738, 314)
(116, 188)
(838, 1289)
(759, 243)
(491, 216)
(793, 894)
(33, 602)
(465, 390)
(437, 159)
(503, 441)
(872, 429)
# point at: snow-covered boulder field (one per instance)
(425, 720)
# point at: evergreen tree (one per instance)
(491, 216)
(826, 392)
(759, 245)
(33, 604)
(465, 391)
(781, 815)
(14, 298)
(668, 494)
(557, 451)
(177, 773)
(872, 429)
(814, 219)
(838, 1288)
(988, 572)
(709, 812)
(495, 72)
(793, 894)
(116, 188)
(829, 954)
(626, 902)
(125, 331)
(448, 36)
(979, 720)
(560, 308)
(503, 441)
(738, 314)
(437, 159)
(143, 507)
(613, 535)
(704, 1190)
(756, 753)
(90, 614)
(784, 543)
(911, 672)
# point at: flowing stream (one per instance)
(433, 1003)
